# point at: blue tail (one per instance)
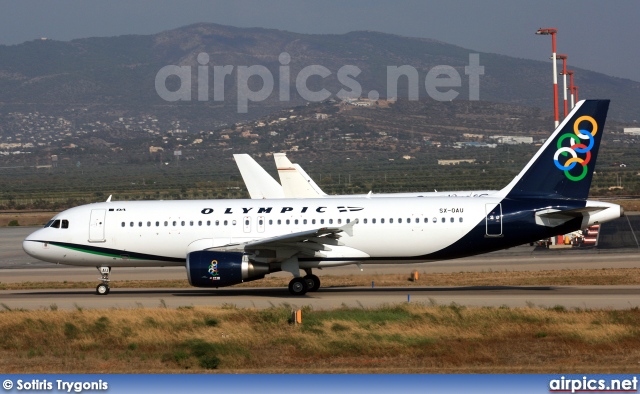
(563, 167)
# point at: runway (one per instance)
(16, 266)
(569, 297)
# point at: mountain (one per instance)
(119, 73)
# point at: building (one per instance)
(635, 131)
(455, 162)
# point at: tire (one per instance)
(102, 289)
(313, 282)
(298, 286)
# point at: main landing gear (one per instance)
(103, 288)
(301, 285)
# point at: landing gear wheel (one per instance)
(102, 289)
(298, 286)
(313, 282)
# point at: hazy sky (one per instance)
(602, 36)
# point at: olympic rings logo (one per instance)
(577, 146)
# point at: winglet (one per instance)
(109, 199)
(348, 228)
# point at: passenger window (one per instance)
(409, 220)
(175, 223)
(399, 220)
(382, 221)
(287, 221)
(330, 221)
(139, 224)
(260, 222)
(373, 221)
(279, 222)
(199, 222)
(444, 220)
(321, 221)
(217, 222)
(435, 220)
(65, 223)
(296, 221)
(166, 223)
(148, 224)
(452, 220)
(460, 220)
(123, 224)
(131, 224)
(339, 221)
(313, 221)
(157, 224)
(182, 223)
(426, 220)
(270, 222)
(191, 223)
(226, 222)
(246, 222)
(233, 222)
(391, 220)
(417, 220)
(208, 222)
(365, 221)
(348, 220)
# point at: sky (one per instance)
(597, 35)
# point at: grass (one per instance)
(580, 277)
(393, 338)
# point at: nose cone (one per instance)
(34, 246)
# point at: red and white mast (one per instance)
(553, 32)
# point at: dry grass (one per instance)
(583, 277)
(400, 338)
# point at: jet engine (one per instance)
(220, 269)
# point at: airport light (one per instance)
(571, 88)
(564, 57)
(553, 32)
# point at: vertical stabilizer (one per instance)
(563, 167)
(259, 183)
(295, 182)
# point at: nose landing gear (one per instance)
(103, 288)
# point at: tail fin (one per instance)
(563, 167)
(259, 183)
(295, 181)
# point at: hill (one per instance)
(118, 73)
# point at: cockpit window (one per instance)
(65, 223)
(56, 223)
(49, 223)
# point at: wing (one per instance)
(310, 243)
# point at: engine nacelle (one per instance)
(219, 269)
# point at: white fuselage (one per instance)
(119, 233)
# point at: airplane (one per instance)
(227, 242)
(296, 183)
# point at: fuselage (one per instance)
(388, 230)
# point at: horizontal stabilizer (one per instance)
(555, 217)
